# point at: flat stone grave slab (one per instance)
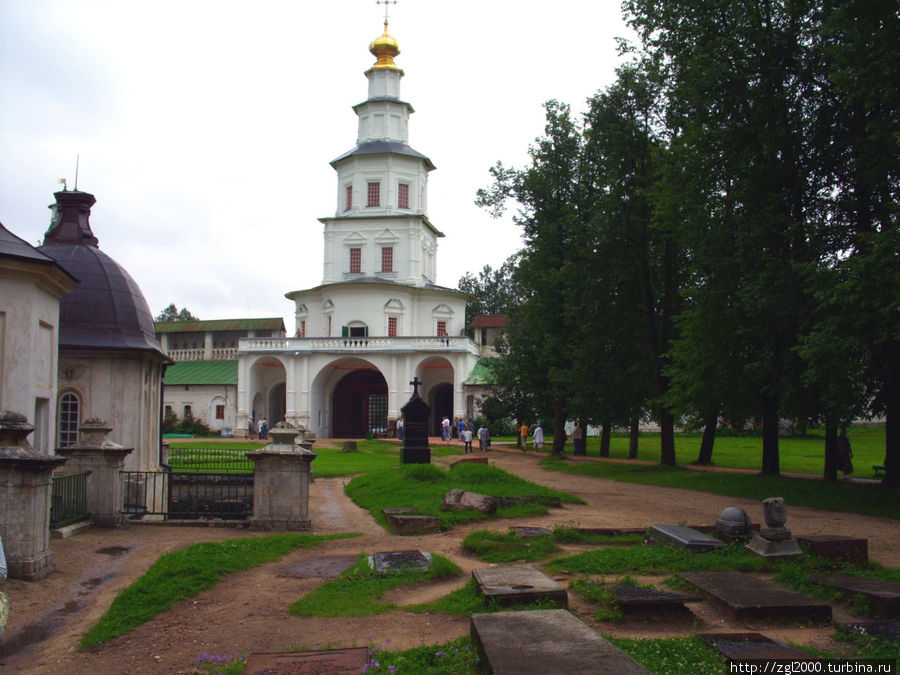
(394, 561)
(752, 646)
(748, 597)
(635, 596)
(545, 641)
(518, 584)
(837, 547)
(531, 532)
(321, 662)
(686, 537)
(328, 567)
(883, 596)
(889, 630)
(413, 524)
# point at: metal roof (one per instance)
(384, 148)
(107, 309)
(482, 373)
(214, 325)
(203, 372)
(12, 246)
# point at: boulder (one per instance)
(460, 500)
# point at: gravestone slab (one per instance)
(752, 646)
(533, 532)
(469, 460)
(395, 561)
(327, 567)
(686, 537)
(748, 597)
(321, 662)
(518, 584)
(837, 547)
(889, 630)
(634, 596)
(545, 641)
(412, 524)
(883, 596)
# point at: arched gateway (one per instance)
(360, 405)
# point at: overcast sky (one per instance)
(205, 127)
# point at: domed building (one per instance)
(378, 319)
(110, 363)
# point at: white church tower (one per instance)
(378, 319)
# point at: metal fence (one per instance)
(175, 495)
(209, 460)
(68, 499)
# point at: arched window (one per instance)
(67, 424)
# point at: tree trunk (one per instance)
(709, 438)
(633, 436)
(770, 462)
(892, 437)
(559, 427)
(831, 449)
(667, 439)
(604, 439)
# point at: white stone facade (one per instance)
(377, 320)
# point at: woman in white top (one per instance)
(538, 435)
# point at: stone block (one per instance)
(545, 641)
(461, 500)
(836, 547)
(518, 584)
(318, 662)
(481, 459)
(740, 646)
(883, 596)
(686, 537)
(406, 524)
(747, 597)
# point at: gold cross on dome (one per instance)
(386, 3)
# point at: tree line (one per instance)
(717, 236)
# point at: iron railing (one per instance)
(68, 499)
(209, 460)
(210, 495)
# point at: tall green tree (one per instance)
(553, 213)
(172, 313)
(738, 76)
(493, 291)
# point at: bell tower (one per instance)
(380, 230)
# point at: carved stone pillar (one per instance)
(281, 475)
(25, 485)
(104, 459)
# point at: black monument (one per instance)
(415, 448)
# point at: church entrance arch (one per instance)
(359, 404)
(441, 406)
(267, 390)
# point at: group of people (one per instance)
(537, 435)
(465, 431)
(258, 428)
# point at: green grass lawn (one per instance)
(797, 454)
(872, 499)
(422, 487)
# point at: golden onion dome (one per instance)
(385, 48)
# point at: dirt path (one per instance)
(248, 611)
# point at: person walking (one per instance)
(538, 436)
(483, 436)
(445, 430)
(523, 437)
(400, 428)
(578, 440)
(467, 438)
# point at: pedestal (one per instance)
(281, 488)
(25, 484)
(95, 453)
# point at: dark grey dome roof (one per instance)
(107, 310)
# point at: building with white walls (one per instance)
(377, 320)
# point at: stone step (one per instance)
(749, 597)
(545, 641)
